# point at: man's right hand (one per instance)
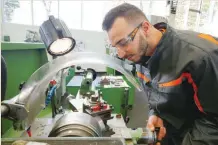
(155, 121)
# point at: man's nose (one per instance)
(121, 53)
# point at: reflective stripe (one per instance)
(142, 76)
(190, 81)
(172, 83)
(209, 38)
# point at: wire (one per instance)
(50, 95)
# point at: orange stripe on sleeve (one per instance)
(209, 38)
(172, 83)
(142, 76)
(190, 81)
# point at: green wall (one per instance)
(22, 60)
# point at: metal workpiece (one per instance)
(76, 124)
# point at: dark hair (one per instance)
(129, 12)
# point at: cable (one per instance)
(50, 95)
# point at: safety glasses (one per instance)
(123, 42)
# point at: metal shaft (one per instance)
(4, 110)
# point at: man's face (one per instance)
(132, 50)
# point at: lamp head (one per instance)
(56, 37)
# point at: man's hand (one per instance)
(154, 121)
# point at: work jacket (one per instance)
(181, 77)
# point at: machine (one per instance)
(85, 115)
(90, 112)
(69, 117)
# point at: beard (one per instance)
(143, 47)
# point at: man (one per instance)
(177, 69)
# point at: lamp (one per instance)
(56, 37)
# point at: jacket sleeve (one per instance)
(206, 81)
(151, 111)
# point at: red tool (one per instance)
(99, 107)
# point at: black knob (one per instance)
(78, 68)
(21, 85)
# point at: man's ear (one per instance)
(146, 27)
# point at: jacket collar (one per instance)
(162, 45)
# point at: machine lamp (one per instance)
(56, 37)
